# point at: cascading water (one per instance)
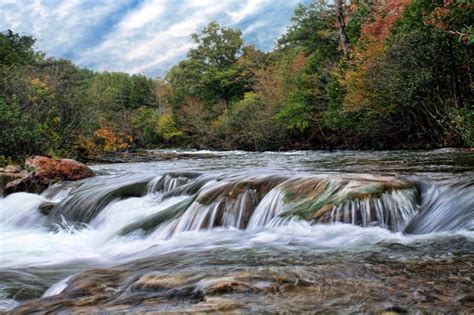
(128, 218)
(446, 207)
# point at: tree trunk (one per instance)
(341, 25)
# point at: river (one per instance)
(342, 231)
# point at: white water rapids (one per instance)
(225, 210)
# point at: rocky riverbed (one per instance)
(421, 276)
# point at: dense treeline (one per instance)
(51, 106)
(366, 74)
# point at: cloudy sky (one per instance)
(138, 36)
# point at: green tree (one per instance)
(211, 71)
(17, 50)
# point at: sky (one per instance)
(138, 36)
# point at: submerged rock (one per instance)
(360, 200)
(44, 170)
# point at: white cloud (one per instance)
(59, 26)
(148, 12)
(145, 37)
(250, 8)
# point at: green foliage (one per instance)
(5, 160)
(142, 91)
(144, 120)
(249, 125)
(17, 137)
(121, 92)
(211, 72)
(357, 19)
(406, 82)
(334, 118)
(295, 114)
(313, 30)
(420, 96)
(217, 46)
(16, 49)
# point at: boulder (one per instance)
(44, 170)
(63, 169)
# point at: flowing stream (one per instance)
(249, 232)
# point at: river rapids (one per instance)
(345, 232)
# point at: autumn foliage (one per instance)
(107, 139)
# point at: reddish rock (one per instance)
(64, 169)
(43, 170)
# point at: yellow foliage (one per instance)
(38, 89)
(38, 84)
(107, 139)
(167, 127)
(297, 64)
(357, 95)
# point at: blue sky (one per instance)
(138, 36)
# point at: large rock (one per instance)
(44, 170)
(63, 169)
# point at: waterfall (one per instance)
(170, 181)
(270, 206)
(87, 198)
(177, 202)
(392, 210)
(21, 210)
(253, 202)
(178, 235)
(444, 207)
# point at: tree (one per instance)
(17, 50)
(313, 30)
(211, 71)
(217, 46)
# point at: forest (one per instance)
(394, 74)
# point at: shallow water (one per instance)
(434, 163)
(226, 248)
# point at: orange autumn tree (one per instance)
(106, 139)
(370, 46)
